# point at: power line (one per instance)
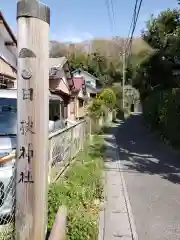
(129, 42)
(111, 21)
(135, 23)
(132, 21)
(113, 14)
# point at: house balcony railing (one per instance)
(6, 69)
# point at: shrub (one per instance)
(119, 94)
(108, 97)
(96, 109)
(162, 111)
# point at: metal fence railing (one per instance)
(64, 145)
(7, 199)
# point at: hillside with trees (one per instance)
(100, 57)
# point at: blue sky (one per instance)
(78, 20)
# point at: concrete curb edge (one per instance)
(126, 196)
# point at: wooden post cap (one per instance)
(34, 9)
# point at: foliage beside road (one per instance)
(162, 112)
(154, 76)
(81, 191)
(155, 71)
(102, 104)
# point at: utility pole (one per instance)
(124, 75)
(33, 21)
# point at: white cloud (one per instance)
(70, 34)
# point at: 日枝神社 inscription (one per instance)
(26, 151)
(26, 126)
(26, 177)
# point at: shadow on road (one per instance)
(140, 151)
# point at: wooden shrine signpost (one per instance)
(33, 21)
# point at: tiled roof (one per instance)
(8, 28)
(55, 64)
(81, 70)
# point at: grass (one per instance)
(7, 232)
(80, 189)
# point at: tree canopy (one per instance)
(162, 34)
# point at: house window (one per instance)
(81, 103)
(54, 111)
(62, 111)
(65, 110)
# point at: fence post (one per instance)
(58, 231)
(72, 141)
(50, 160)
(33, 21)
(90, 129)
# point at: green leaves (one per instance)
(161, 111)
(162, 33)
(96, 109)
(156, 68)
(108, 97)
(79, 190)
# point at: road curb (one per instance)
(126, 195)
(102, 214)
(128, 205)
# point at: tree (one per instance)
(78, 60)
(108, 97)
(57, 50)
(117, 89)
(163, 33)
(96, 109)
(163, 36)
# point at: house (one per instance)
(8, 60)
(80, 97)
(91, 82)
(72, 91)
(60, 83)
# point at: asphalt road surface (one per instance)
(152, 174)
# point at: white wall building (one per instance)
(8, 57)
(89, 79)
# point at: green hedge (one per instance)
(162, 112)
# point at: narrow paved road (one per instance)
(152, 175)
